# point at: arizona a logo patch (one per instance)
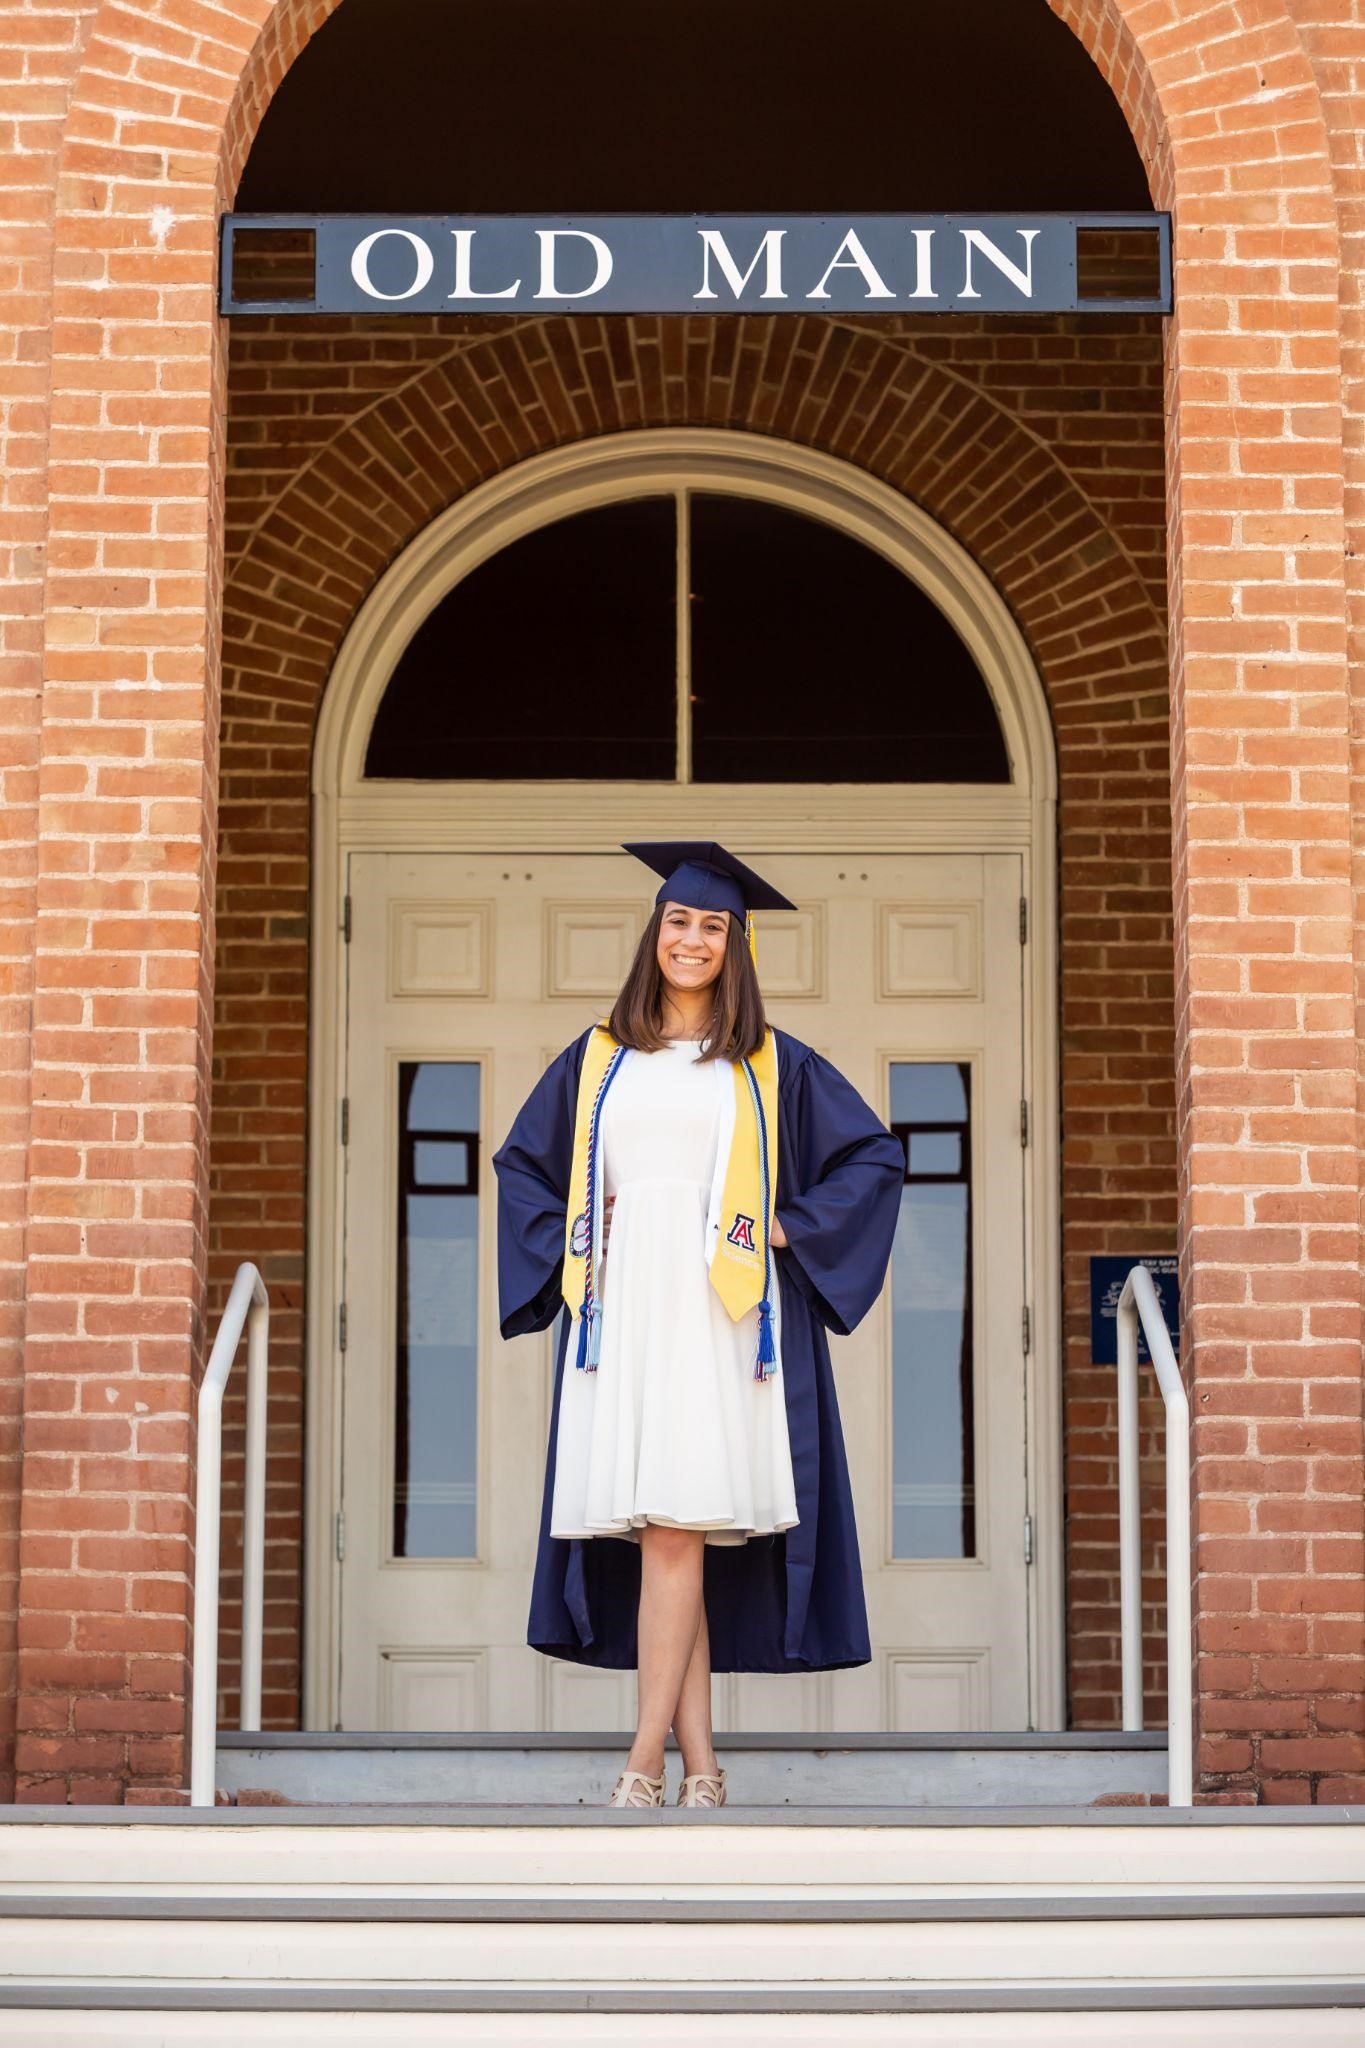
(741, 1232)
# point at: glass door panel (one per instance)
(934, 1453)
(436, 1356)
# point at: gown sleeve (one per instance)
(842, 1200)
(533, 1167)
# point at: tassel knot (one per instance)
(589, 1337)
(767, 1352)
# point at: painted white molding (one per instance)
(1041, 968)
(351, 815)
(580, 817)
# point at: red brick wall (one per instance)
(1260, 161)
(1246, 114)
(1039, 444)
(1321, 1656)
(39, 55)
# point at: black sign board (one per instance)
(686, 263)
(1107, 1276)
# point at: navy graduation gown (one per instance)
(792, 1602)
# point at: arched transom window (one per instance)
(692, 636)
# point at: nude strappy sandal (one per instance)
(702, 1790)
(634, 1789)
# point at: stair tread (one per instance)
(1082, 1742)
(842, 1818)
(672, 1999)
(629, 1911)
(370, 1771)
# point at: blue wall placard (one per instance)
(1107, 1276)
(690, 263)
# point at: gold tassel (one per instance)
(749, 935)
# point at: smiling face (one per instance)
(691, 946)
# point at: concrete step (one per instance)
(573, 1924)
(505, 1910)
(859, 1771)
(784, 1853)
(733, 2027)
(647, 1957)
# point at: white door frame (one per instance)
(511, 817)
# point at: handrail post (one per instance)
(207, 1498)
(1130, 1516)
(247, 1299)
(253, 1534)
(1138, 1302)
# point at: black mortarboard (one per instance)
(704, 876)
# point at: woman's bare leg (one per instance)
(692, 1721)
(670, 1616)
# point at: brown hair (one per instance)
(738, 1024)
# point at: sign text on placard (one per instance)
(683, 263)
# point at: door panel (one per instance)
(466, 973)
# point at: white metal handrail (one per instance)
(247, 1304)
(1138, 1304)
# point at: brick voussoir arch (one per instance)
(160, 119)
(315, 551)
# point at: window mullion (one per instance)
(683, 607)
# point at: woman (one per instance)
(706, 1197)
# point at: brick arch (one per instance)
(296, 581)
(162, 111)
(1182, 81)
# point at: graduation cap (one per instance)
(704, 876)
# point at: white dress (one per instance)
(672, 1427)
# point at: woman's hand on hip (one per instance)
(777, 1236)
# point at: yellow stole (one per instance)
(741, 1269)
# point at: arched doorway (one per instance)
(470, 920)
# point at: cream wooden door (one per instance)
(465, 974)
